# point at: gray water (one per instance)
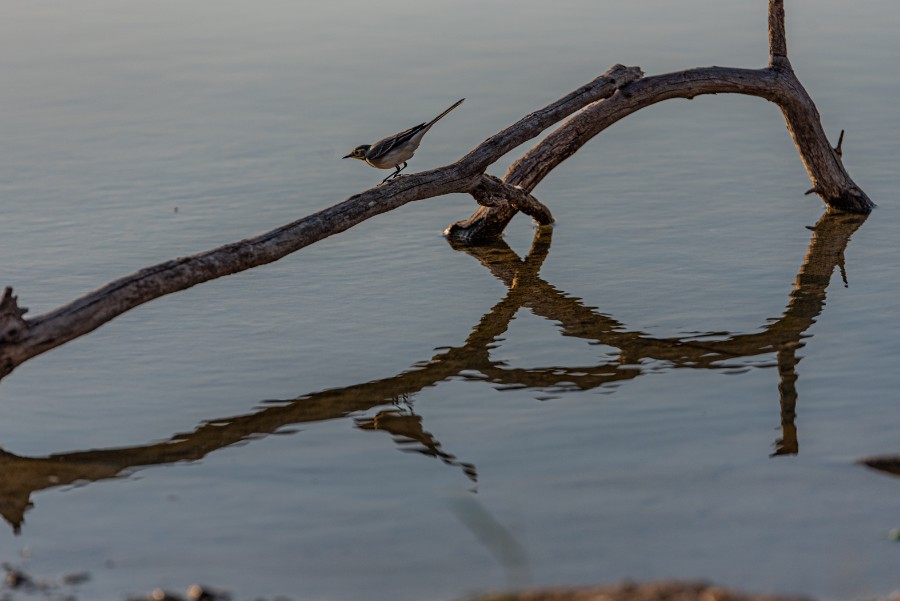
(627, 410)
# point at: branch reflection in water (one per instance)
(392, 397)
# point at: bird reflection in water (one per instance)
(408, 433)
(22, 476)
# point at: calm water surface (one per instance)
(675, 386)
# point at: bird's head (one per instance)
(359, 152)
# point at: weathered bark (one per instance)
(618, 93)
(777, 36)
(777, 83)
(22, 339)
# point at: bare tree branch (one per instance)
(777, 37)
(614, 95)
(777, 84)
(89, 312)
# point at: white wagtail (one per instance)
(393, 151)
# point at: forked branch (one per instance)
(614, 95)
(777, 83)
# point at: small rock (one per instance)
(196, 592)
(16, 578)
(76, 578)
(161, 595)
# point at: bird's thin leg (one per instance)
(395, 173)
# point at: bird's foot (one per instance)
(390, 177)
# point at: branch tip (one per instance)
(12, 325)
(9, 306)
(838, 149)
(777, 37)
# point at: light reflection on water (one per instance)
(612, 415)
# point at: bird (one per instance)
(394, 151)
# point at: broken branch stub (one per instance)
(12, 325)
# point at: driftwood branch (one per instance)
(614, 95)
(89, 312)
(777, 83)
(492, 191)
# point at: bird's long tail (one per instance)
(442, 115)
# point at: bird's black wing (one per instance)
(382, 147)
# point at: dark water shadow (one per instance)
(392, 397)
(886, 464)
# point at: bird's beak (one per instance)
(348, 156)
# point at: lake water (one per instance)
(654, 397)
